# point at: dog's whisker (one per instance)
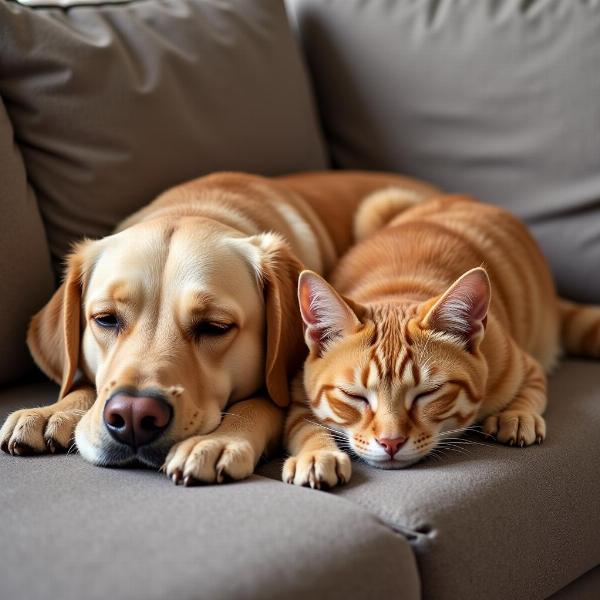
(228, 414)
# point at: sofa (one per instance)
(106, 104)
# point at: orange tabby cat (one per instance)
(417, 350)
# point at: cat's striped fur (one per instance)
(447, 317)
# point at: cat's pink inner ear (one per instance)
(462, 310)
(307, 294)
(325, 314)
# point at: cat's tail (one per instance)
(380, 207)
(580, 328)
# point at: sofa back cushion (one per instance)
(496, 98)
(25, 272)
(114, 103)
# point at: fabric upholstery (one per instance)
(499, 522)
(495, 98)
(25, 270)
(586, 587)
(113, 104)
(71, 530)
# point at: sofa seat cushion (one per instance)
(70, 530)
(500, 522)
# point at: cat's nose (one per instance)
(392, 445)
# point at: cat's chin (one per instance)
(391, 464)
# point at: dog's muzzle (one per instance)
(136, 418)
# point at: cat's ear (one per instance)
(325, 314)
(462, 310)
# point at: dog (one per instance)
(174, 339)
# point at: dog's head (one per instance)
(170, 321)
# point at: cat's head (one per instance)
(395, 378)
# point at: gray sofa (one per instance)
(103, 106)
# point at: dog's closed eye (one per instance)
(108, 321)
(211, 328)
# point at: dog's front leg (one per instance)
(47, 429)
(231, 452)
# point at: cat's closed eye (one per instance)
(353, 396)
(426, 393)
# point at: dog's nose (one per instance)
(391, 446)
(136, 420)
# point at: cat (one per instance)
(445, 316)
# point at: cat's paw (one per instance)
(38, 431)
(210, 459)
(516, 428)
(318, 469)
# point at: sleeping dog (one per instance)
(173, 339)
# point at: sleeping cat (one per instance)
(446, 316)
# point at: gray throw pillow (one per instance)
(26, 278)
(113, 103)
(496, 98)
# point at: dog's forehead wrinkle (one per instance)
(115, 290)
(133, 260)
(201, 261)
(218, 275)
(201, 298)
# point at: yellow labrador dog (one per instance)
(174, 338)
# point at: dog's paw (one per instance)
(516, 428)
(38, 431)
(318, 469)
(210, 459)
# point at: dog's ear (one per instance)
(54, 332)
(279, 270)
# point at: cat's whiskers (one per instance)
(335, 431)
(453, 449)
(436, 455)
(449, 431)
(336, 435)
(467, 442)
(469, 429)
